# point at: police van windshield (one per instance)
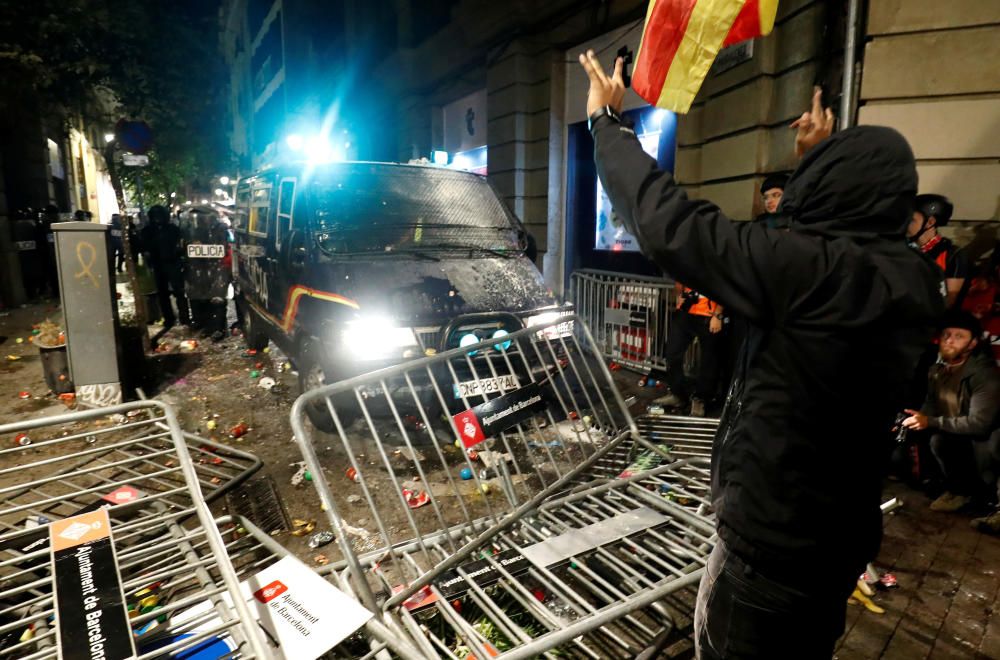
(363, 209)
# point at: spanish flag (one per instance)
(681, 40)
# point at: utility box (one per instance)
(90, 311)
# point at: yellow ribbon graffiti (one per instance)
(86, 263)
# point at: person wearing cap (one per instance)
(963, 396)
(931, 212)
(770, 193)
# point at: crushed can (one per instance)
(320, 539)
(22, 440)
(239, 430)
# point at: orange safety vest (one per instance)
(704, 306)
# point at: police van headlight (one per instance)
(376, 338)
(554, 329)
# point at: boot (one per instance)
(988, 524)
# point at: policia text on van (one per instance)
(350, 267)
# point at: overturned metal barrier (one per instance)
(116, 497)
(481, 504)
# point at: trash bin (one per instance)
(55, 367)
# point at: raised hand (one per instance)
(813, 126)
(603, 90)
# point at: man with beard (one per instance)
(839, 309)
(963, 395)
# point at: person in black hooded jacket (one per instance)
(839, 309)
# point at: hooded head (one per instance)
(859, 182)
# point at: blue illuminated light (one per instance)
(469, 340)
(502, 346)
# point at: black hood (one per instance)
(860, 182)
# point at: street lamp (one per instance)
(173, 195)
(109, 138)
(204, 201)
(224, 180)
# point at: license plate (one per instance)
(484, 386)
(204, 251)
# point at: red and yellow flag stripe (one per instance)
(292, 304)
(681, 39)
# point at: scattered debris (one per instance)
(321, 560)
(300, 474)
(415, 500)
(24, 394)
(354, 499)
(493, 458)
(319, 539)
(357, 531)
(22, 440)
(466, 474)
(411, 454)
(266, 383)
(302, 527)
(352, 474)
(239, 430)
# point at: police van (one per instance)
(350, 267)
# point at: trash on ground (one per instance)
(414, 499)
(266, 383)
(411, 454)
(302, 527)
(319, 539)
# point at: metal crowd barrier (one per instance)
(168, 555)
(470, 496)
(628, 314)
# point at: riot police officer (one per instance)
(208, 271)
(162, 245)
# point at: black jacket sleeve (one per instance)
(737, 264)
